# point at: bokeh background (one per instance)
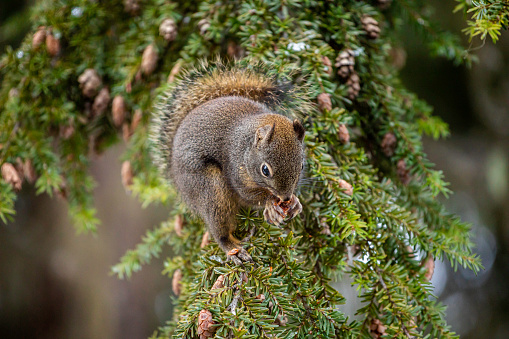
(55, 283)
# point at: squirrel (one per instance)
(221, 135)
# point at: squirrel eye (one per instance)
(265, 170)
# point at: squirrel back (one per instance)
(214, 80)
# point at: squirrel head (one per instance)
(276, 158)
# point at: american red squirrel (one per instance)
(220, 140)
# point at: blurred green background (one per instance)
(56, 284)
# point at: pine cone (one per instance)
(13, 93)
(398, 57)
(219, 282)
(138, 115)
(324, 101)
(234, 51)
(205, 324)
(347, 188)
(52, 45)
(429, 264)
(173, 73)
(175, 282)
(377, 329)
(149, 60)
(354, 86)
(39, 37)
(203, 26)
(126, 132)
(205, 240)
(371, 27)
(118, 110)
(89, 82)
(132, 6)
(389, 143)
(384, 4)
(29, 171)
(403, 172)
(168, 29)
(11, 176)
(127, 174)
(345, 63)
(101, 102)
(325, 227)
(343, 134)
(179, 225)
(67, 131)
(327, 64)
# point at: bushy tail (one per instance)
(214, 80)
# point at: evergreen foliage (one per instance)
(370, 201)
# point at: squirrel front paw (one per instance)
(276, 210)
(238, 255)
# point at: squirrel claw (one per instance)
(295, 207)
(273, 214)
(239, 257)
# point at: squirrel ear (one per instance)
(264, 133)
(299, 129)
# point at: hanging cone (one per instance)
(168, 29)
(205, 324)
(345, 63)
(371, 27)
(324, 101)
(354, 86)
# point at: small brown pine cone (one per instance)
(343, 135)
(403, 172)
(132, 6)
(61, 192)
(234, 51)
(127, 174)
(137, 116)
(325, 227)
(174, 71)
(205, 324)
(429, 264)
(384, 4)
(347, 188)
(219, 282)
(389, 143)
(203, 26)
(101, 102)
(179, 224)
(67, 131)
(354, 86)
(118, 110)
(89, 82)
(39, 37)
(371, 27)
(52, 45)
(205, 240)
(176, 286)
(377, 329)
(397, 55)
(327, 65)
(126, 132)
(345, 63)
(149, 59)
(11, 176)
(324, 101)
(29, 171)
(168, 29)
(13, 93)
